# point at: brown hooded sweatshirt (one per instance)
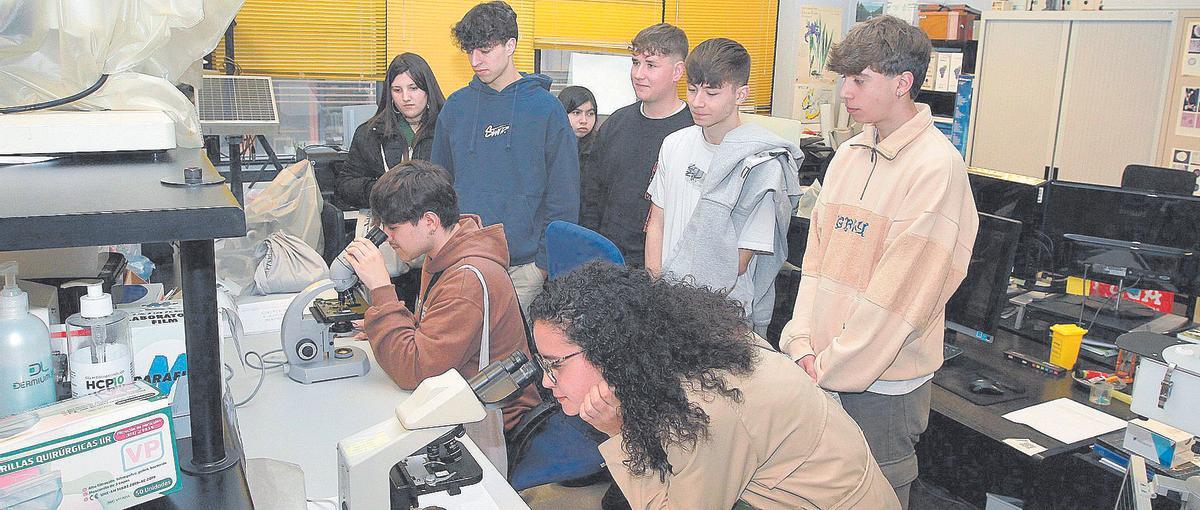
(448, 333)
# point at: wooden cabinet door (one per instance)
(1113, 93)
(1019, 75)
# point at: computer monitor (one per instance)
(1016, 197)
(1132, 264)
(1117, 214)
(974, 309)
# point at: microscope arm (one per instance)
(341, 273)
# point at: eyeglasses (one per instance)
(549, 365)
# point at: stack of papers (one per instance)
(1067, 420)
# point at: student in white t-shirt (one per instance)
(675, 190)
(708, 160)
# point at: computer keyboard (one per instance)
(949, 351)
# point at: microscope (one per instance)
(308, 338)
(417, 452)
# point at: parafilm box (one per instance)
(159, 352)
(112, 449)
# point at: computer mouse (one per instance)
(985, 387)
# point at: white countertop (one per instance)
(301, 424)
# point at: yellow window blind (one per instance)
(749, 22)
(592, 25)
(338, 39)
(423, 27)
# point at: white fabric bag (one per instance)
(286, 264)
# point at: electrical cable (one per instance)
(262, 367)
(1120, 291)
(264, 363)
(258, 176)
(56, 102)
(332, 502)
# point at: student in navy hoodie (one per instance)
(508, 144)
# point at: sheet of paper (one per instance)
(474, 497)
(1189, 113)
(1191, 57)
(1025, 446)
(1066, 420)
(23, 160)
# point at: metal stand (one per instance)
(202, 339)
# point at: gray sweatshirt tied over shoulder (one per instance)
(751, 165)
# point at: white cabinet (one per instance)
(1076, 94)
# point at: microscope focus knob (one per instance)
(307, 349)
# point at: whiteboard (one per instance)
(607, 76)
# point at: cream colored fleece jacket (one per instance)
(786, 445)
(890, 240)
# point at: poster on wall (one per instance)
(806, 105)
(1189, 113)
(814, 84)
(868, 9)
(1191, 57)
(1187, 160)
(907, 10)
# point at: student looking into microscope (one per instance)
(467, 314)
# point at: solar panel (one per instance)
(237, 105)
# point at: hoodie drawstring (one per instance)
(474, 127)
(512, 117)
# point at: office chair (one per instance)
(1158, 179)
(548, 446)
(569, 246)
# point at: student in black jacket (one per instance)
(401, 130)
(580, 104)
(623, 158)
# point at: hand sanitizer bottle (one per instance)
(100, 357)
(26, 368)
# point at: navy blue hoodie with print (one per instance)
(514, 160)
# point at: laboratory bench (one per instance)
(963, 449)
(119, 198)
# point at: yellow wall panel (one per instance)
(340, 39)
(423, 27)
(356, 39)
(749, 22)
(592, 25)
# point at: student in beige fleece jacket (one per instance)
(891, 236)
(701, 413)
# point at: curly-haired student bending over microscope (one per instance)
(701, 413)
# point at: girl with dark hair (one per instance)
(401, 130)
(700, 412)
(580, 104)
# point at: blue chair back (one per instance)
(569, 246)
(549, 446)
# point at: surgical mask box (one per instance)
(1162, 444)
(159, 349)
(112, 449)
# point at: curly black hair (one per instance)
(651, 340)
(485, 26)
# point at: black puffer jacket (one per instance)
(366, 164)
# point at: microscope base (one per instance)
(331, 368)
